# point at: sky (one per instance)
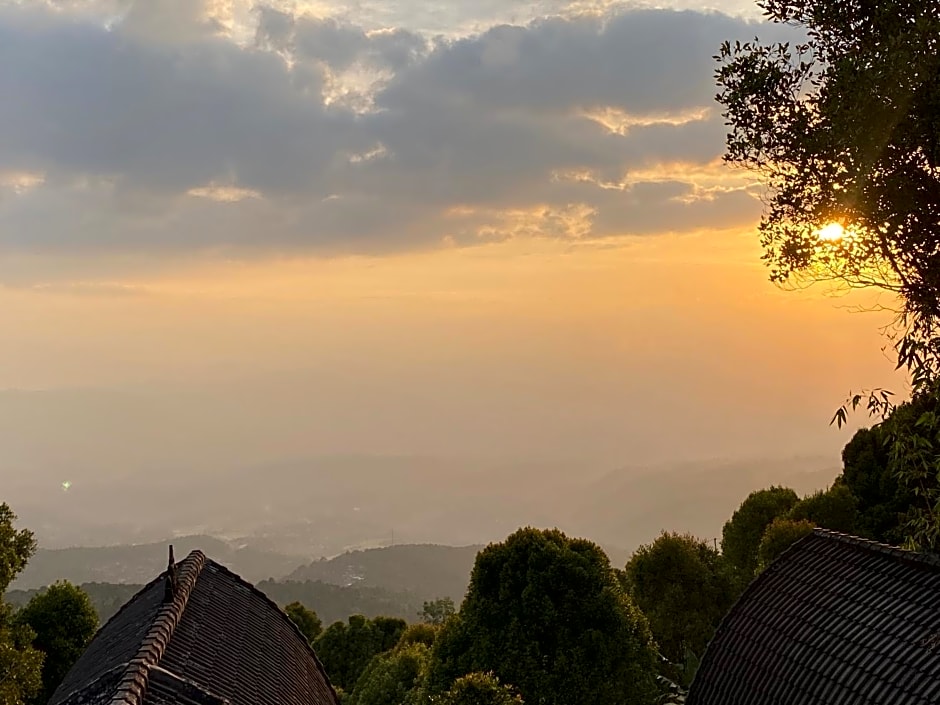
(488, 227)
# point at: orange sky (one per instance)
(684, 325)
(374, 228)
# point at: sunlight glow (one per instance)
(223, 193)
(832, 232)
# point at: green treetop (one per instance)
(742, 534)
(684, 587)
(64, 621)
(547, 614)
(20, 663)
(305, 619)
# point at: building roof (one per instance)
(835, 620)
(197, 635)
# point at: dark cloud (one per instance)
(82, 100)
(641, 60)
(336, 44)
(126, 125)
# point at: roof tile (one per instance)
(219, 641)
(836, 619)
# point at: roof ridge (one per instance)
(264, 596)
(903, 554)
(133, 683)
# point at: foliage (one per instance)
(742, 534)
(346, 649)
(64, 621)
(479, 689)
(438, 611)
(913, 433)
(882, 502)
(779, 536)
(835, 509)
(16, 547)
(20, 663)
(305, 619)
(393, 678)
(684, 587)
(106, 598)
(333, 602)
(337, 602)
(421, 633)
(845, 128)
(892, 470)
(546, 613)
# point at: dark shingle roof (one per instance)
(835, 620)
(220, 641)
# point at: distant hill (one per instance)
(335, 602)
(426, 571)
(389, 578)
(138, 564)
(629, 507)
(331, 602)
(106, 597)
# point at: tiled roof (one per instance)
(836, 620)
(217, 641)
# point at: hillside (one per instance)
(331, 602)
(424, 570)
(620, 510)
(138, 564)
(629, 507)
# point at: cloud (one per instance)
(337, 45)
(641, 61)
(319, 135)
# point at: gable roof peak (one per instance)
(170, 582)
(133, 682)
(216, 639)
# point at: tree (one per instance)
(547, 613)
(742, 534)
(306, 620)
(421, 633)
(16, 547)
(437, 611)
(780, 535)
(393, 678)
(479, 689)
(684, 587)
(20, 663)
(835, 509)
(64, 621)
(912, 431)
(346, 649)
(844, 130)
(892, 471)
(866, 471)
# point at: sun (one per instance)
(831, 232)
